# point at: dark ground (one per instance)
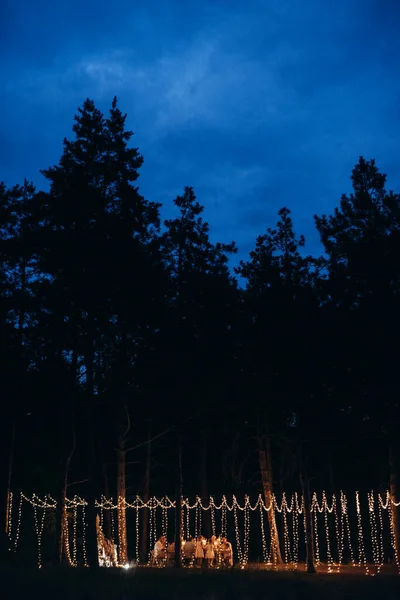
(163, 584)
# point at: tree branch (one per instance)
(128, 426)
(76, 482)
(150, 440)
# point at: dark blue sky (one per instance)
(256, 104)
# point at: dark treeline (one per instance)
(126, 341)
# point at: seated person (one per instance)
(160, 548)
(188, 551)
(226, 552)
(171, 552)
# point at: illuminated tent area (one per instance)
(359, 533)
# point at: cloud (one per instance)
(206, 83)
(256, 106)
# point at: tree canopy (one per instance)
(109, 316)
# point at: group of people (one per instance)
(107, 550)
(212, 552)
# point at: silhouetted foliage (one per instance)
(113, 324)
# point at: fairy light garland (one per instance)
(155, 524)
(238, 545)
(327, 535)
(246, 533)
(362, 559)
(112, 524)
(374, 530)
(102, 513)
(392, 504)
(137, 555)
(150, 531)
(17, 534)
(223, 518)
(381, 545)
(164, 526)
(273, 531)
(187, 519)
(339, 534)
(39, 528)
(182, 519)
(289, 507)
(9, 514)
(196, 524)
(346, 524)
(286, 537)
(200, 514)
(75, 521)
(266, 555)
(122, 533)
(213, 527)
(305, 526)
(315, 510)
(85, 562)
(296, 511)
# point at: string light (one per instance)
(289, 510)
(391, 503)
(305, 525)
(155, 523)
(273, 530)
(17, 534)
(315, 510)
(213, 527)
(187, 520)
(75, 517)
(39, 530)
(112, 523)
(122, 533)
(9, 514)
(196, 523)
(85, 562)
(380, 514)
(102, 513)
(150, 506)
(137, 535)
(362, 559)
(344, 523)
(182, 518)
(266, 555)
(200, 514)
(374, 530)
(339, 529)
(328, 541)
(238, 546)
(295, 523)
(286, 537)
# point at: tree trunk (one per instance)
(265, 461)
(9, 476)
(203, 484)
(305, 489)
(66, 416)
(146, 495)
(121, 495)
(107, 513)
(92, 550)
(61, 513)
(281, 530)
(21, 315)
(394, 496)
(21, 324)
(178, 509)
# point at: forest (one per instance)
(135, 360)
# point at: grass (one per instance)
(186, 584)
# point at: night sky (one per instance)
(256, 105)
